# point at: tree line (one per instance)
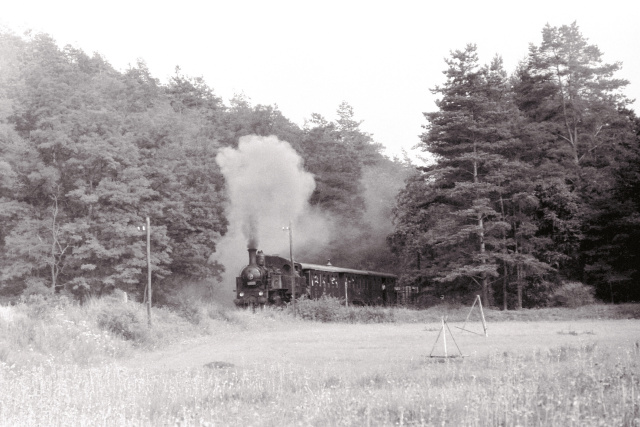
(536, 179)
(87, 152)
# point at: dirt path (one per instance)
(378, 345)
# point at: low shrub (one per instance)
(573, 294)
(198, 312)
(628, 311)
(218, 312)
(192, 311)
(54, 329)
(330, 309)
(44, 307)
(193, 301)
(4, 352)
(123, 320)
(36, 286)
(325, 309)
(376, 315)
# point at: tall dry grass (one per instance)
(328, 309)
(580, 386)
(57, 330)
(59, 366)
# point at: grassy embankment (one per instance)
(69, 365)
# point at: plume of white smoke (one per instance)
(382, 183)
(362, 244)
(267, 187)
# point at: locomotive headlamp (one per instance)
(241, 294)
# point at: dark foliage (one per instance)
(87, 152)
(535, 180)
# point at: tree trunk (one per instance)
(519, 281)
(505, 277)
(505, 273)
(54, 240)
(485, 286)
(484, 281)
(572, 134)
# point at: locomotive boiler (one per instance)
(267, 280)
(271, 280)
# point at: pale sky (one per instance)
(308, 57)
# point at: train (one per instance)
(272, 280)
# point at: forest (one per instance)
(534, 182)
(87, 152)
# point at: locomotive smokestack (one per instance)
(252, 256)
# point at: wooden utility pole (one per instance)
(346, 294)
(293, 269)
(149, 271)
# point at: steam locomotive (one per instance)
(272, 280)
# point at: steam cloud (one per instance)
(266, 184)
(267, 187)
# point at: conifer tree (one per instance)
(575, 107)
(468, 136)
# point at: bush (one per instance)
(217, 312)
(190, 300)
(192, 311)
(330, 309)
(36, 287)
(573, 294)
(376, 315)
(197, 312)
(44, 307)
(124, 321)
(629, 311)
(4, 353)
(325, 309)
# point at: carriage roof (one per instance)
(334, 269)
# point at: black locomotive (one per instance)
(271, 280)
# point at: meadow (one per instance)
(99, 364)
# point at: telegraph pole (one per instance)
(149, 271)
(293, 269)
(147, 294)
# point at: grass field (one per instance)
(267, 369)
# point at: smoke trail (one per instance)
(267, 187)
(361, 243)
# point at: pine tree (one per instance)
(575, 108)
(468, 136)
